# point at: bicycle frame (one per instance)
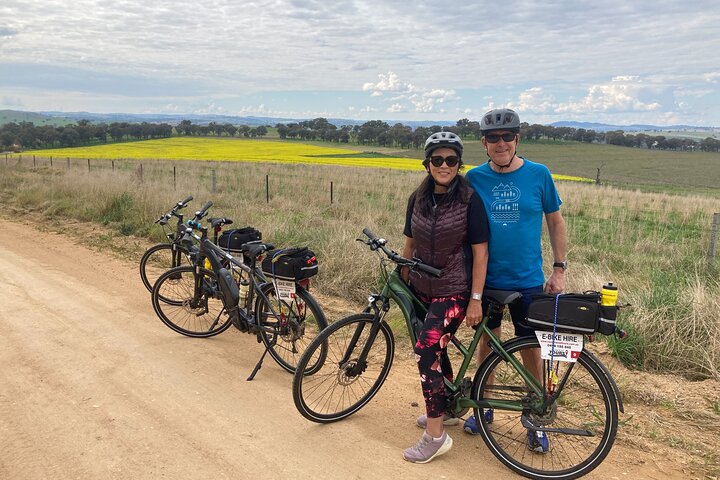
(413, 310)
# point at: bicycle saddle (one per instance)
(253, 249)
(219, 222)
(502, 297)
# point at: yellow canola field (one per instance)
(241, 150)
(231, 150)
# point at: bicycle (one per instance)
(576, 404)
(164, 256)
(231, 292)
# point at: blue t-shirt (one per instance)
(515, 204)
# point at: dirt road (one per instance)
(94, 386)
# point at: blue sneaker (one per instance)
(538, 441)
(470, 426)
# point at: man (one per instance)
(517, 193)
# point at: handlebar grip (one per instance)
(428, 269)
(203, 211)
(369, 234)
(184, 203)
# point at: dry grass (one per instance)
(653, 246)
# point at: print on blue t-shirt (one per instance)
(515, 204)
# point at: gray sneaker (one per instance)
(448, 420)
(428, 448)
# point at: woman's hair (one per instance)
(457, 192)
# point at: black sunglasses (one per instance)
(450, 161)
(495, 138)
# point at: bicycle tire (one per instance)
(329, 394)
(587, 402)
(158, 259)
(193, 317)
(301, 321)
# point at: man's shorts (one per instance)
(518, 312)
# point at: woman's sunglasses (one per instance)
(450, 161)
(495, 138)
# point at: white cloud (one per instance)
(423, 100)
(620, 95)
(395, 108)
(534, 100)
(713, 77)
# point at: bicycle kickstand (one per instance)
(262, 357)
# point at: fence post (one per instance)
(174, 178)
(34, 165)
(113, 165)
(141, 173)
(267, 188)
(50, 162)
(88, 164)
(214, 181)
(713, 238)
(331, 192)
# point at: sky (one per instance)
(616, 61)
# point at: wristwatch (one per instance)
(476, 296)
(562, 265)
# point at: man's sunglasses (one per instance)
(450, 161)
(495, 138)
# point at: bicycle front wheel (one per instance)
(192, 312)
(342, 384)
(160, 258)
(579, 426)
(295, 324)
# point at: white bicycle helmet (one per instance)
(443, 139)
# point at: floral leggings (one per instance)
(442, 321)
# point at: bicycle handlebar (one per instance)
(183, 203)
(173, 212)
(376, 243)
(203, 211)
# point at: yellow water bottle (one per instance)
(609, 295)
(244, 290)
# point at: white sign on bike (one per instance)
(566, 348)
(285, 289)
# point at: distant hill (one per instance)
(232, 119)
(604, 127)
(10, 116)
(63, 118)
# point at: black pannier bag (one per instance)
(608, 315)
(232, 240)
(576, 312)
(291, 264)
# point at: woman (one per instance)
(446, 226)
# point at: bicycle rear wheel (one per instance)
(299, 321)
(580, 424)
(177, 305)
(340, 385)
(160, 258)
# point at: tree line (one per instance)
(377, 132)
(25, 135)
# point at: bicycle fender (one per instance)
(610, 380)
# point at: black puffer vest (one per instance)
(439, 242)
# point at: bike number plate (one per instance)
(566, 348)
(285, 289)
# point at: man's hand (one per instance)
(474, 313)
(556, 282)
